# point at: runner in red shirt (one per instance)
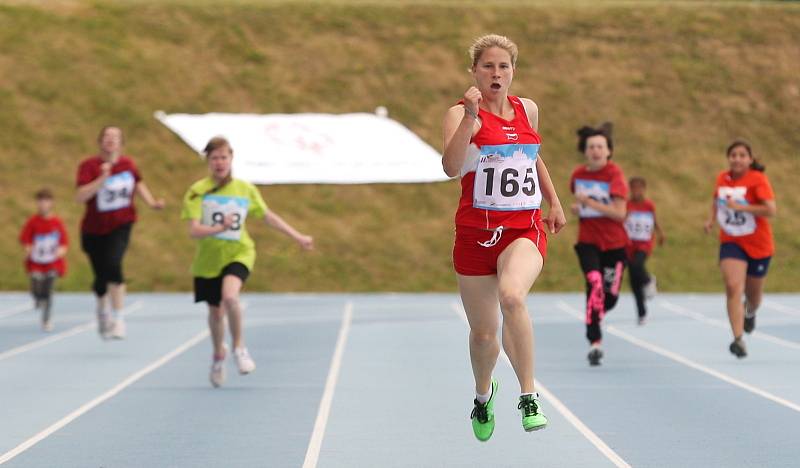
(601, 192)
(641, 225)
(743, 200)
(45, 240)
(106, 184)
(491, 141)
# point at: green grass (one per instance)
(680, 81)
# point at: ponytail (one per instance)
(755, 165)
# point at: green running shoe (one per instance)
(483, 416)
(532, 419)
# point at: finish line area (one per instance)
(384, 380)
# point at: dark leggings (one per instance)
(42, 292)
(105, 254)
(639, 278)
(602, 270)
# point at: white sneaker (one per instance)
(243, 360)
(104, 325)
(118, 329)
(47, 326)
(650, 290)
(217, 375)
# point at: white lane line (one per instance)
(685, 361)
(62, 335)
(679, 310)
(782, 308)
(16, 309)
(593, 438)
(315, 444)
(102, 398)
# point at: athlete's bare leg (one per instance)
(231, 286)
(517, 268)
(216, 325)
(754, 291)
(479, 296)
(734, 272)
(116, 291)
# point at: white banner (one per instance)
(314, 148)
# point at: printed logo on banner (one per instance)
(116, 192)
(596, 190)
(298, 136)
(735, 223)
(45, 247)
(506, 178)
(217, 207)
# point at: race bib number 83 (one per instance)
(506, 178)
(217, 207)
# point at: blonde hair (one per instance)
(488, 41)
(215, 143)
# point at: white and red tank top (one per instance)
(499, 180)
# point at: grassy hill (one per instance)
(679, 81)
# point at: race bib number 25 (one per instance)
(217, 207)
(734, 223)
(506, 178)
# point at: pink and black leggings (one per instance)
(602, 270)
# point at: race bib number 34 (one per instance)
(734, 223)
(217, 207)
(116, 193)
(506, 178)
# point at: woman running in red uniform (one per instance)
(642, 226)
(491, 141)
(107, 183)
(743, 200)
(45, 241)
(601, 192)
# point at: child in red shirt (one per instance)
(45, 240)
(641, 226)
(600, 193)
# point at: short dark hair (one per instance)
(586, 132)
(637, 180)
(44, 194)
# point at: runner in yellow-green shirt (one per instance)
(217, 208)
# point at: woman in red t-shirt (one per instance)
(491, 141)
(601, 192)
(45, 241)
(743, 200)
(107, 183)
(642, 226)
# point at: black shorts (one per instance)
(756, 267)
(210, 289)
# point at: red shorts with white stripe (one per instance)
(472, 257)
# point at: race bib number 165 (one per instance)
(506, 178)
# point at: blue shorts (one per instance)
(756, 267)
